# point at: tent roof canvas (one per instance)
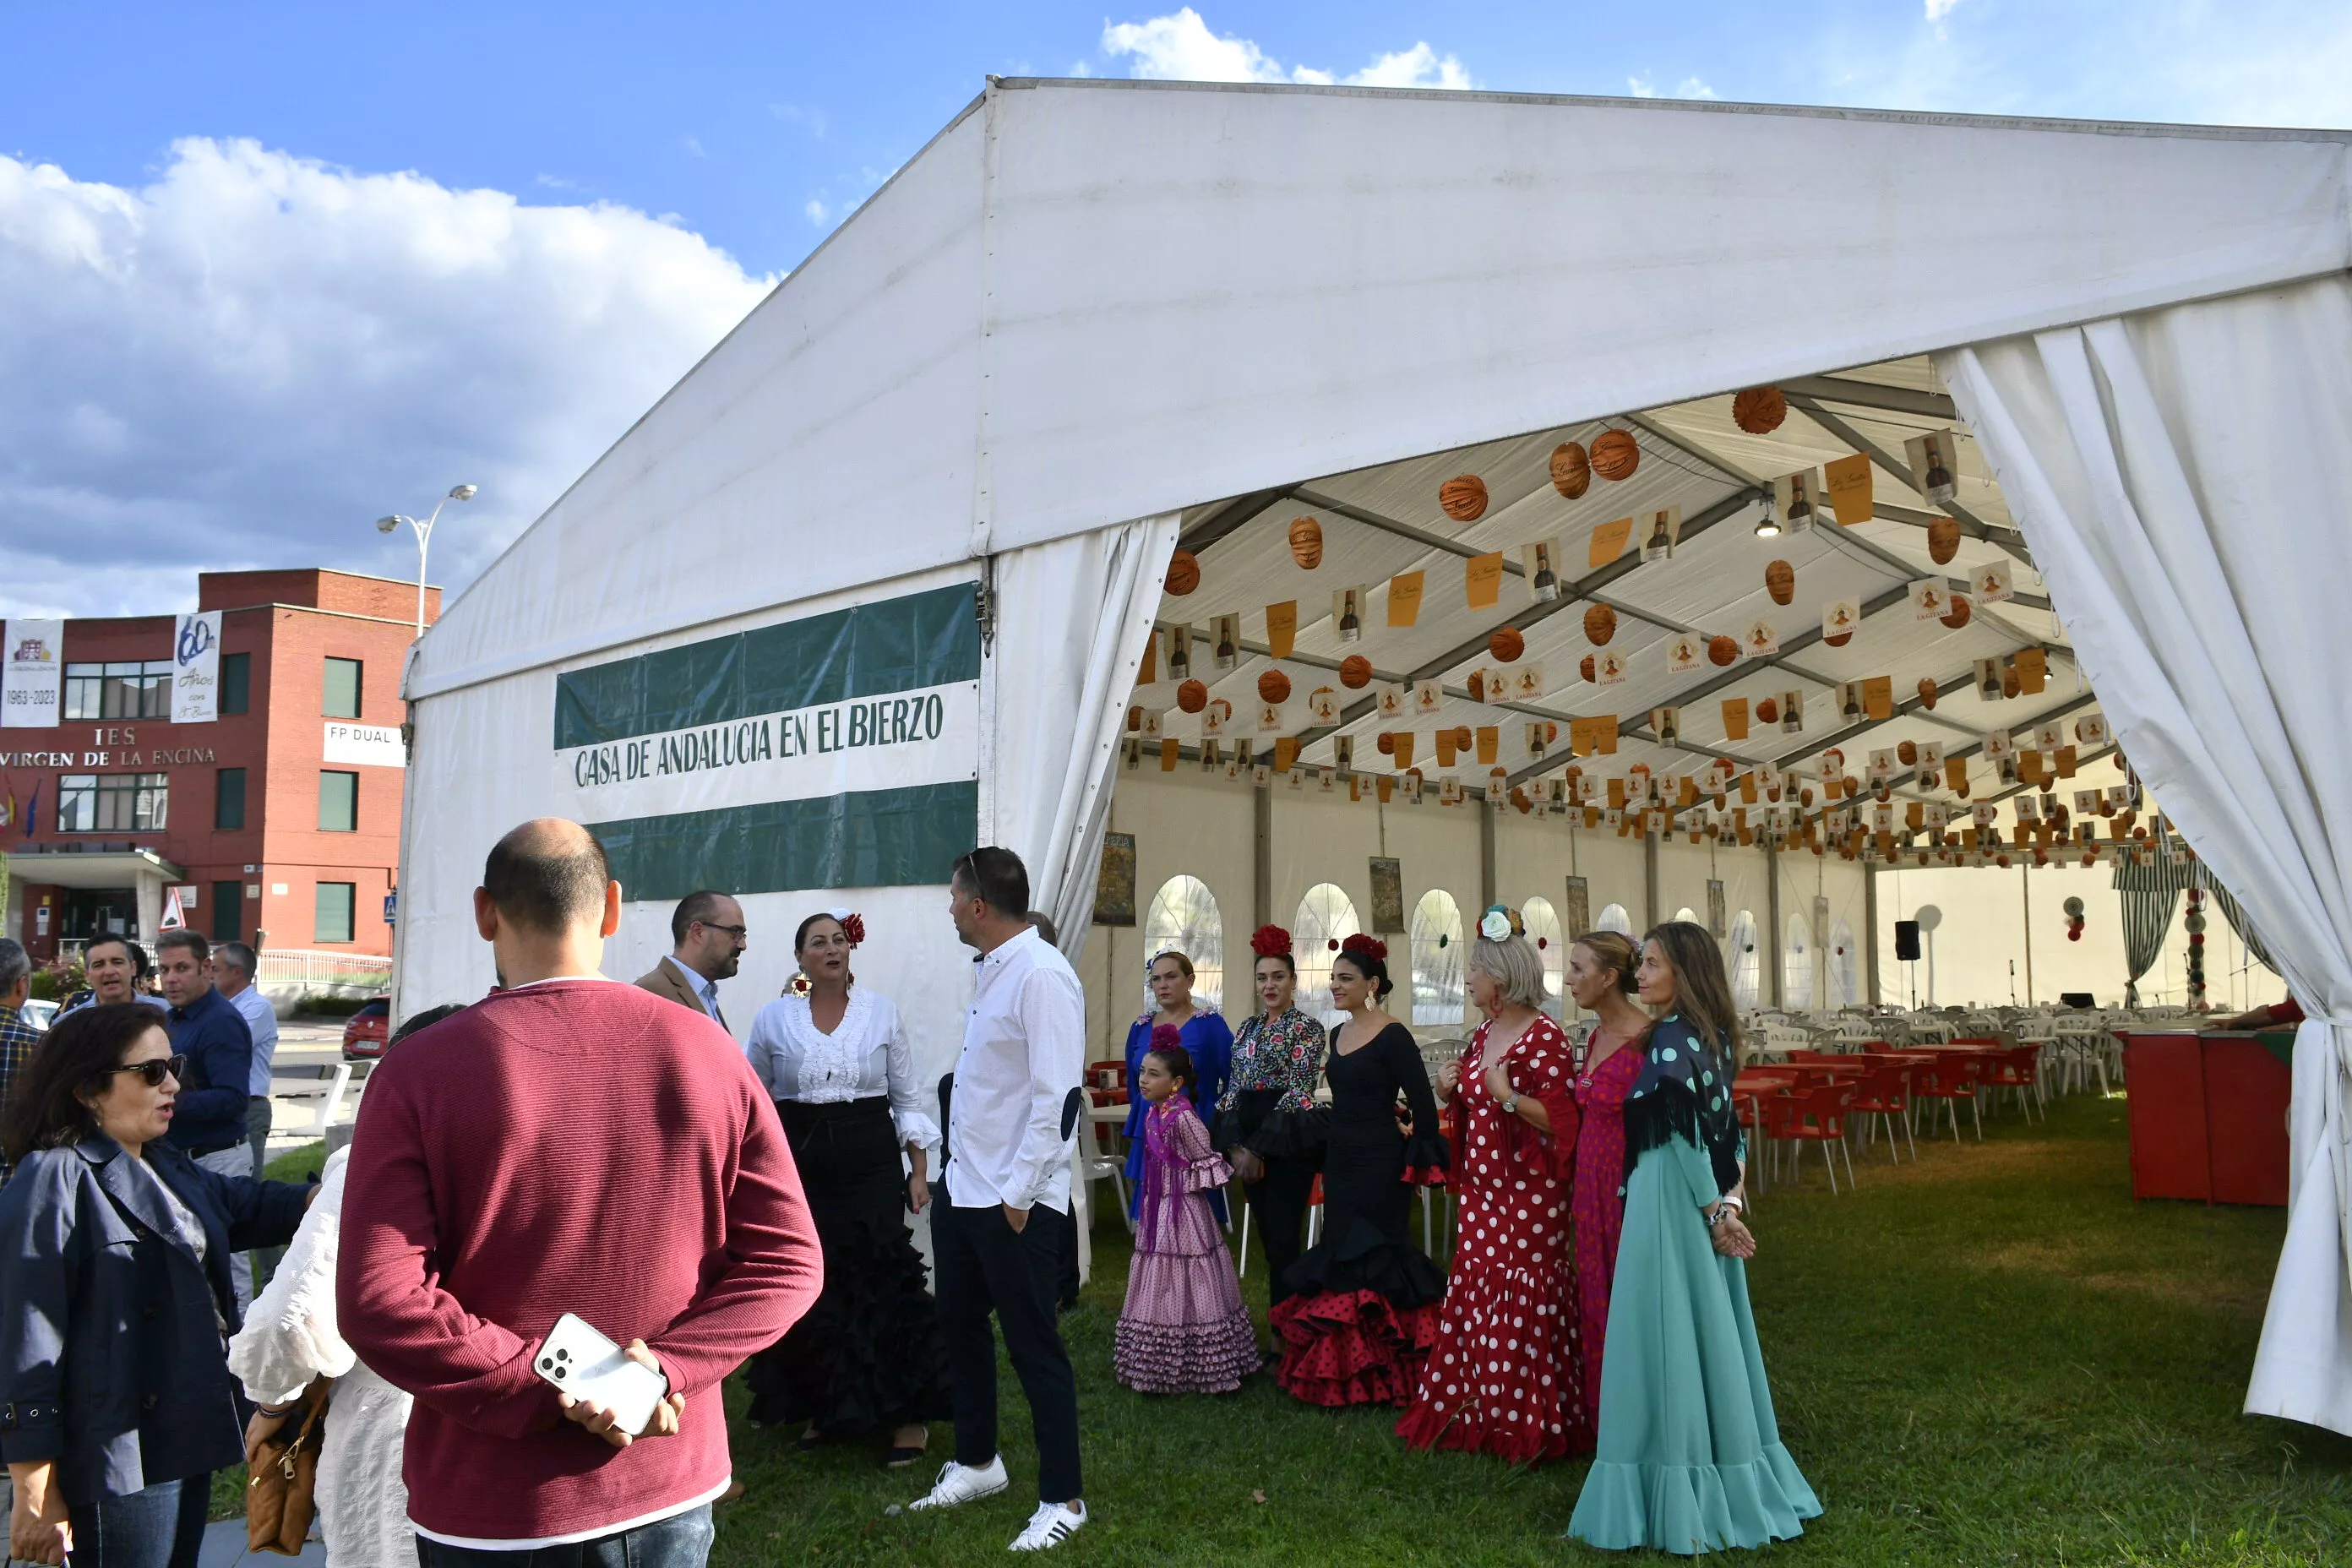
(1088, 302)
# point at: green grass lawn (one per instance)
(1992, 1357)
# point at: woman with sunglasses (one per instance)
(116, 1401)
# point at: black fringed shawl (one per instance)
(1685, 1091)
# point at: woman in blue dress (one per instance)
(1206, 1040)
(1690, 1457)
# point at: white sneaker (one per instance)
(962, 1484)
(1051, 1525)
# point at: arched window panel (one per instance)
(1325, 918)
(1436, 959)
(1183, 915)
(1797, 965)
(1746, 961)
(1614, 918)
(1543, 930)
(1687, 913)
(1845, 967)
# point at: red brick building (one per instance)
(277, 823)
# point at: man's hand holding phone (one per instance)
(605, 1421)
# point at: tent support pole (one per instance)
(1649, 880)
(1262, 861)
(1870, 923)
(1772, 914)
(1486, 896)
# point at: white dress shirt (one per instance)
(866, 1056)
(1024, 1058)
(261, 1018)
(704, 991)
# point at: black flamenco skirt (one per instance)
(869, 1356)
(1363, 1314)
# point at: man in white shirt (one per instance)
(708, 936)
(233, 968)
(1016, 1106)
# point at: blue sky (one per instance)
(269, 271)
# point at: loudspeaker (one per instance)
(1907, 939)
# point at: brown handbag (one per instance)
(281, 1496)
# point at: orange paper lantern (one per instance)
(1274, 687)
(1958, 615)
(1943, 539)
(1615, 456)
(1600, 624)
(1355, 672)
(1385, 745)
(1306, 542)
(1908, 754)
(1463, 497)
(1463, 739)
(1571, 470)
(2009, 682)
(1585, 667)
(1759, 410)
(1837, 639)
(1928, 692)
(1184, 573)
(1781, 582)
(1506, 645)
(1768, 711)
(1722, 651)
(1192, 697)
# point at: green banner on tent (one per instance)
(876, 839)
(919, 640)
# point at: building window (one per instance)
(1746, 964)
(1845, 967)
(337, 903)
(228, 911)
(343, 688)
(112, 802)
(228, 799)
(1325, 918)
(128, 690)
(338, 803)
(1436, 959)
(236, 683)
(1183, 916)
(1614, 918)
(1551, 948)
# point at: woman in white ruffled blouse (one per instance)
(288, 1341)
(869, 1356)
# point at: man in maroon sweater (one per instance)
(567, 1144)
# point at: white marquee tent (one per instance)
(874, 580)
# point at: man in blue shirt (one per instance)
(234, 964)
(208, 1119)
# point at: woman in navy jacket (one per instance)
(116, 1402)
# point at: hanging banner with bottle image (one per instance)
(840, 750)
(1933, 456)
(196, 668)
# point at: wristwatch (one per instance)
(1511, 1103)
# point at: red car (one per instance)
(365, 1035)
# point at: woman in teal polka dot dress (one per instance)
(1690, 1458)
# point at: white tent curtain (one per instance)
(1072, 617)
(2184, 478)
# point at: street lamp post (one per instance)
(424, 538)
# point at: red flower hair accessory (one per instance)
(1370, 946)
(853, 926)
(1164, 1036)
(1270, 941)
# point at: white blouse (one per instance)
(869, 1055)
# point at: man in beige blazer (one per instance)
(709, 936)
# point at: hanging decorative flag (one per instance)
(1608, 666)
(2091, 731)
(1389, 699)
(1998, 746)
(1660, 531)
(1683, 652)
(1323, 703)
(1667, 724)
(1848, 482)
(1348, 613)
(1404, 598)
(1800, 498)
(1994, 582)
(1735, 718)
(1931, 758)
(1282, 628)
(1760, 641)
(1929, 599)
(1428, 698)
(1878, 697)
(1932, 456)
(1793, 712)
(1608, 540)
(2033, 667)
(1483, 580)
(1541, 557)
(1527, 682)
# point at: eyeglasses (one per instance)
(154, 1071)
(738, 933)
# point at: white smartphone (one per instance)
(587, 1365)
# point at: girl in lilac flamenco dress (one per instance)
(1184, 1329)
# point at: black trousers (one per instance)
(1279, 1203)
(984, 1266)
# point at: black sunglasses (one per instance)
(155, 1071)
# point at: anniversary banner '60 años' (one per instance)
(837, 750)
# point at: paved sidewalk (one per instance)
(225, 1548)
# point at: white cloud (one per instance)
(247, 360)
(1940, 9)
(1641, 86)
(693, 145)
(1181, 47)
(1694, 88)
(816, 211)
(1647, 87)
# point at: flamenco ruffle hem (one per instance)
(868, 1355)
(1362, 1322)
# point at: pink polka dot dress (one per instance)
(1507, 1375)
(1600, 1199)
